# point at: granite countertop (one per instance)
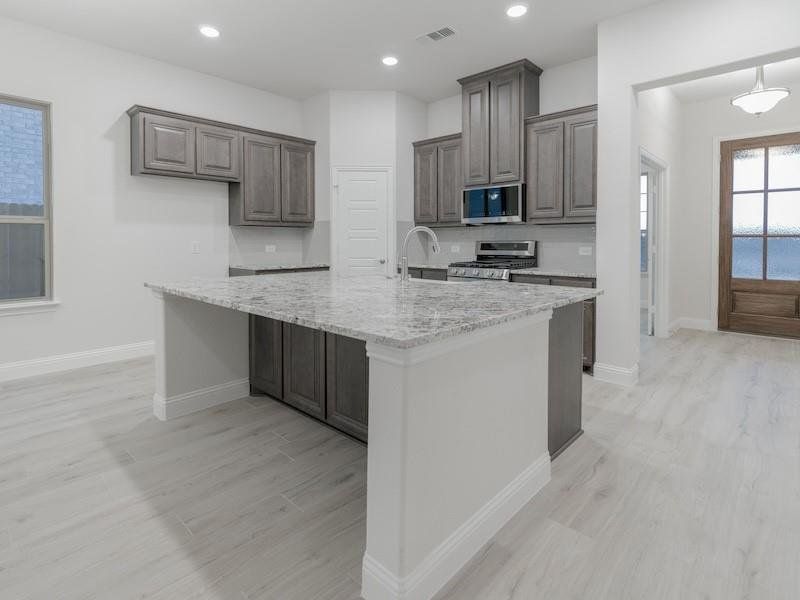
(375, 308)
(255, 267)
(553, 273)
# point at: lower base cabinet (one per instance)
(321, 374)
(564, 380)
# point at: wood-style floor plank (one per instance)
(684, 486)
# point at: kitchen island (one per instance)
(458, 398)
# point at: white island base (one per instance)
(457, 432)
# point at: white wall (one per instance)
(641, 49)
(113, 231)
(410, 125)
(444, 116)
(696, 205)
(568, 86)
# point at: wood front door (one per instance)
(759, 258)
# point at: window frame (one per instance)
(46, 220)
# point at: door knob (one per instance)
(382, 261)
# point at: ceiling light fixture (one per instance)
(760, 99)
(389, 61)
(517, 10)
(209, 31)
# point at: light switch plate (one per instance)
(585, 250)
(455, 249)
(195, 247)
(270, 248)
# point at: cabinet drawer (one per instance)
(573, 282)
(440, 274)
(537, 279)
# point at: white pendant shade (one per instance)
(760, 99)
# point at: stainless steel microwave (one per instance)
(496, 204)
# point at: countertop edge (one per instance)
(579, 295)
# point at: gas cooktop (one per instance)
(494, 260)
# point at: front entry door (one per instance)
(759, 261)
(361, 224)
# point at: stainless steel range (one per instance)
(495, 260)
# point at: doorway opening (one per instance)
(651, 184)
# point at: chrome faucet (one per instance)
(404, 249)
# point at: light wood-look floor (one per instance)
(686, 486)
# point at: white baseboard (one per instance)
(447, 559)
(687, 323)
(74, 360)
(184, 404)
(616, 375)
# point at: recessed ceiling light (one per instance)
(209, 31)
(389, 61)
(516, 10)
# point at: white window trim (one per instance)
(47, 302)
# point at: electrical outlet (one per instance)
(455, 249)
(270, 248)
(584, 250)
(195, 247)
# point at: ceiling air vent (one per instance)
(438, 35)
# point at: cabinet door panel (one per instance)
(438, 274)
(266, 356)
(217, 152)
(450, 182)
(534, 279)
(505, 128)
(261, 178)
(168, 144)
(304, 369)
(580, 190)
(545, 169)
(475, 121)
(425, 184)
(588, 333)
(347, 381)
(297, 180)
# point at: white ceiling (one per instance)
(299, 48)
(779, 74)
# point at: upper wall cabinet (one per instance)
(494, 105)
(438, 181)
(561, 156)
(271, 175)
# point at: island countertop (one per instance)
(375, 308)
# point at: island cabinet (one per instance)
(438, 181)
(494, 106)
(589, 308)
(321, 374)
(565, 389)
(561, 167)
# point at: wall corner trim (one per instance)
(74, 360)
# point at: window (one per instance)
(643, 222)
(766, 213)
(25, 272)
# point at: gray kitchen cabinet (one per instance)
(565, 386)
(494, 105)
(449, 181)
(266, 356)
(545, 169)
(589, 308)
(561, 165)
(217, 152)
(304, 369)
(271, 175)
(438, 181)
(297, 182)
(258, 197)
(425, 183)
(347, 381)
(580, 166)
(437, 274)
(475, 124)
(505, 127)
(168, 145)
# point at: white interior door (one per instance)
(361, 221)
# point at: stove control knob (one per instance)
(475, 273)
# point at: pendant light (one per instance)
(760, 99)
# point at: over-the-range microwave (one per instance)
(495, 204)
